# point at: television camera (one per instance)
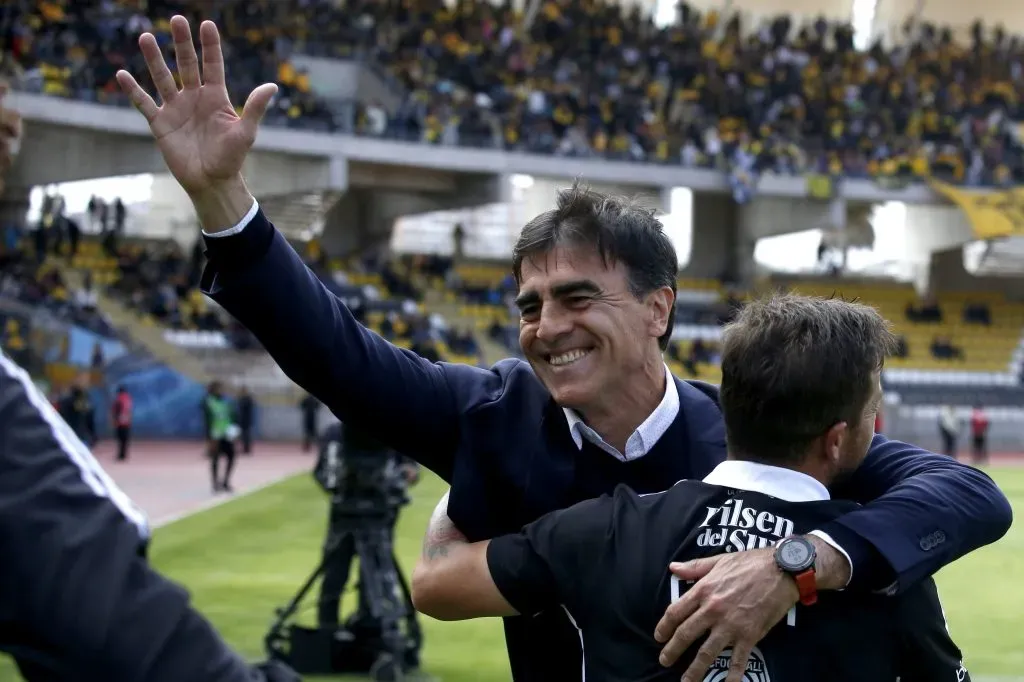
(368, 484)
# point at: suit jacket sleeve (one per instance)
(922, 511)
(927, 652)
(258, 278)
(74, 573)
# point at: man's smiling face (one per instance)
(581, 327)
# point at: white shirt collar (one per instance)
(785, 484)
(646, 435)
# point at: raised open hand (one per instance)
(202, 139)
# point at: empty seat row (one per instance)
(196, 339)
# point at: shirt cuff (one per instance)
(251, 241)
(246, 219)
(835, 545)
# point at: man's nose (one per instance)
(554, 323)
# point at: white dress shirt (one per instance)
(646, 435)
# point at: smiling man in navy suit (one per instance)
(593, 407)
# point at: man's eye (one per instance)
(576, 301)
(527, 313)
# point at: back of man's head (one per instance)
(797, 368)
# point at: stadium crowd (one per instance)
(25, 281)
(73, 49)
(586, 78)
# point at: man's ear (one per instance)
(834, 440)
(660, 303)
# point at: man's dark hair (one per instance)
(621, 231)
(793, 367)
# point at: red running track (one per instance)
(171, 479)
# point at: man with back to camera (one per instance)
(800, 390)
(220, 437)
(78, 600)
(595, 406)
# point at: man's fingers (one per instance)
(185, 53)
(738, 662)
(696, 569)
(158, 71)
(213, 56)
(683, 637)
(675, 614)
(256, 106)
(706, 655)
(139, 97)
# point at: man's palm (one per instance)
(203, 141)
(201, 137)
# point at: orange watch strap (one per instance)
(807, 585)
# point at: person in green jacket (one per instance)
(220, 436)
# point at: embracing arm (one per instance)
(550, 562)
(922, 512)
(451, 580)
(258, 278)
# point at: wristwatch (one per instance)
(796, 556)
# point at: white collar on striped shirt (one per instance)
(785, 484)
(646, 435)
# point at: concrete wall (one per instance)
(543, 193)
(283, 423)
(804, 9)
(56, 153)
(366, 215)
(339, 79)
(769, 216)
(959, 15)
(900, 424)
(714, 247)
(947, 273)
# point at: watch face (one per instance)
(795, 554)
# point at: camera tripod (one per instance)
(372, 641)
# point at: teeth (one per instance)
(567, 358)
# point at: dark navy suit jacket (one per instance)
(498, 438)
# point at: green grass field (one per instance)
(246, 558)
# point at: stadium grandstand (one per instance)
(859, 148)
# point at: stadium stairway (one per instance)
(298, 214)
(147, 335)
(435, 302)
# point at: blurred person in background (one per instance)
(979, 435)
(309, 411)
(949, 430)
(220, 435)
(246, 409)
(77, 409)
(121, 420)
